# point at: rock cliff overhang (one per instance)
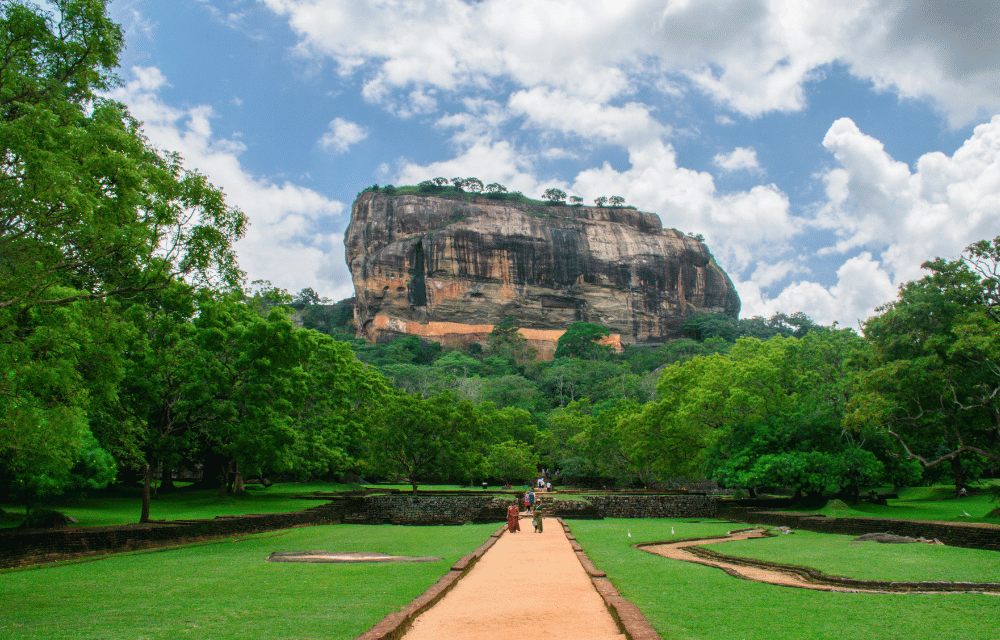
(449, 268)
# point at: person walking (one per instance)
(538, 521)
(531, 502)
(513, 516)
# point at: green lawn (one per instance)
(123, 505)
(686, 601)
(923, 503)
(225, 589)
(838, 555)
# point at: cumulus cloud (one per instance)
(751, 55)
(738, 158)
(342, 135)
(862, 285)
(876, 202)
(904, 217)
(740, 227)
(284, 243)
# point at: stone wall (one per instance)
(431, 509)
(33, 546)
(670, 506)
(972, 535)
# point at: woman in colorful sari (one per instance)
(512, 519)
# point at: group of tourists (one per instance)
(514, 514)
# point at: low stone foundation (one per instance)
(972, 535)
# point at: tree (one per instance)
(601, 201)
(505, 341)
(616, 201)
(414, 437)
(440, 181)
(306, 297)
(583, 340)
(495, 187)
(575, 200)
(90, 213)
(554, 196)
(472, 185)
(931, 371)
(703, 326)
(512, 462)
(458, 182)
(91, 204)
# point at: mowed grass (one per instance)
(838, 555)
(226, 590)
(686, 601)
(123, 505)
(923, 503)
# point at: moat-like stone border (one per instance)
(372, 557)
(817, 577)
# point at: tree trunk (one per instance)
(238, 483)
(223, 480)
(167, 479)
(958, 472)
(147, 480)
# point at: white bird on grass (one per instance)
(629, 532)
(967, 514)
(671, 531)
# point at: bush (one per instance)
(46, 519)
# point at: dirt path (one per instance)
(679, 551)
(527, 584)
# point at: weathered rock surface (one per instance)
(448, 269)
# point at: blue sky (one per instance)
(823, 152)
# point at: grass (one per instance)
(122, 505)
(838, 555)
(226, 590)
(922, 503)
(686, 601)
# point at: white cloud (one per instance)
(284, 243)
(751, 55)
(878, 203)
(555, 110)
(738, 158)
(740, 227)
(862, 285)
(341, 135)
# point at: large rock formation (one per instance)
(448, 269)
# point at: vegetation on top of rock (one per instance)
(474, 187)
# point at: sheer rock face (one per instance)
(449, 269)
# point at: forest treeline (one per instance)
(130, 345)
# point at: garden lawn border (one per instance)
(395, 624)
(626, 615)
(970, 535)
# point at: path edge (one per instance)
(397, 623)
(626, 615)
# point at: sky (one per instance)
(824, 152)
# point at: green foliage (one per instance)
(416, 437)
(583, 340)
(703, 326)
(795, 325)
(554, 196)
(512, 461)
(929, 373)
(506, 342)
